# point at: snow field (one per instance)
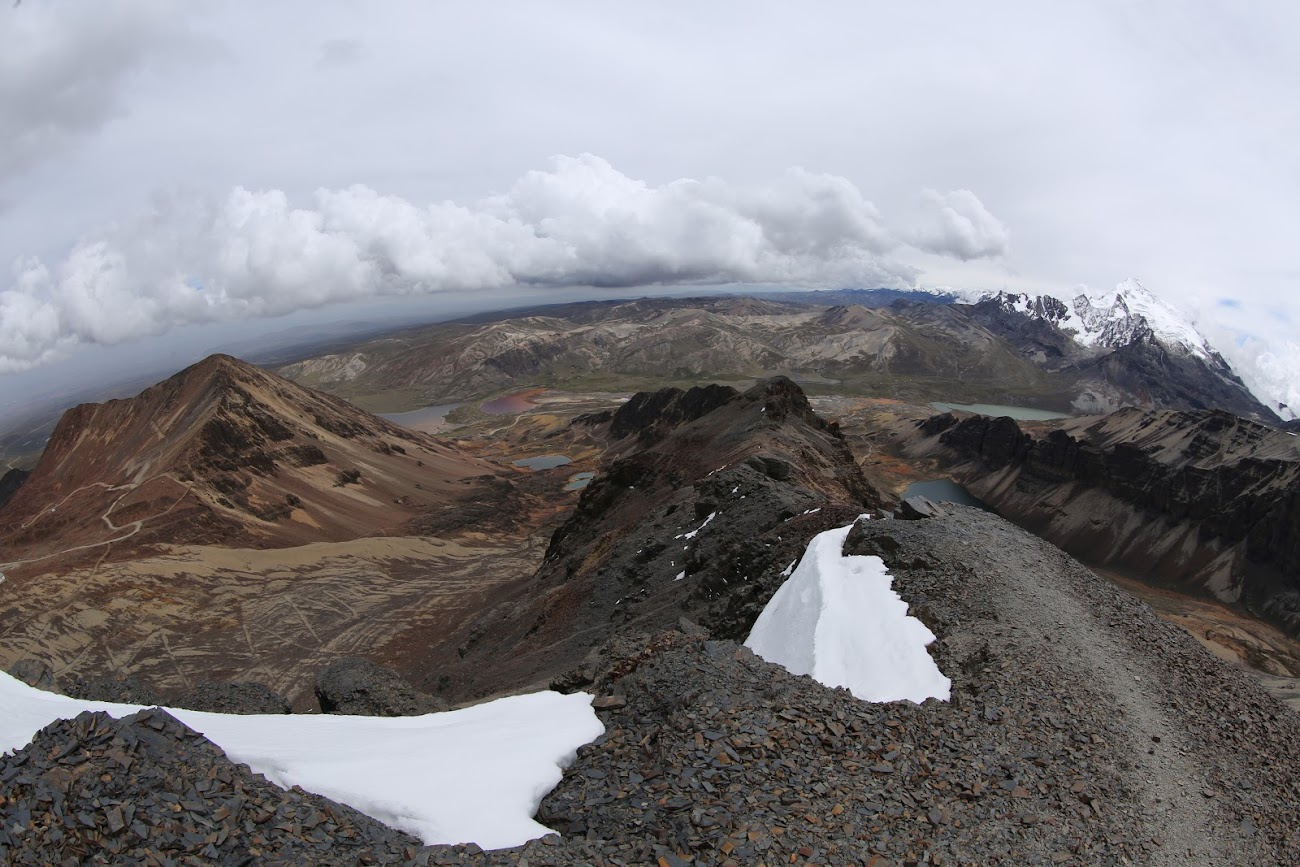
(471, 775)
(837, 619)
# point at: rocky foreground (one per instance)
(1082, 730)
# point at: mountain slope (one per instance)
(1203, 500)
(226, 453)
(1004, 349)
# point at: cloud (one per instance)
(62, 67)
(581, 222)
(957, 224)
(340, 52)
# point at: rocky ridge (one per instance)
(700, 522)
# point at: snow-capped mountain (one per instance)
(1128, 346)
(1118, 318)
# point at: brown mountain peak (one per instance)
(226, 452)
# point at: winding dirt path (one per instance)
(135, 526)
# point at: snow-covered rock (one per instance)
(837, 619)
(471, 775)
(1109, 320)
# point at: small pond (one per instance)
(543, 462)
(430, 419)
(578, 481)
(1020, 413)
(945, 491)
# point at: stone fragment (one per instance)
(359, 687)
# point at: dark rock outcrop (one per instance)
(35, 673)
(146, 789)
(233, 697)
(123, 690)
(652, 414)
(359, 687)
(917, 509)
(1160, 378)
(10, 482)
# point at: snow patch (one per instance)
(471, 775)
(693, 533)
(838, 619)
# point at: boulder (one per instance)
(239, 696)
(35, 673)
(359, 687)
(917, 508)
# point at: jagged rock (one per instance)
(10, 482)
(651, 414)
(691, 628)
(35, 673)
(356, 686)
(918, 508)
(146, 789)
(233, 697)
(123, 690)
(774, 468)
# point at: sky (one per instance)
(170, 170)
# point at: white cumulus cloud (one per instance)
(957, 224)
(581, 222)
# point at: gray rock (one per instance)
(35, 673)
(359, 687)
(123, 690)
(147, 789)
(772, 467)
(233, 697)
(917, 508)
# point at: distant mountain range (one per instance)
(1093, 355)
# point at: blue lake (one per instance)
(578, 481)
(945, 491)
